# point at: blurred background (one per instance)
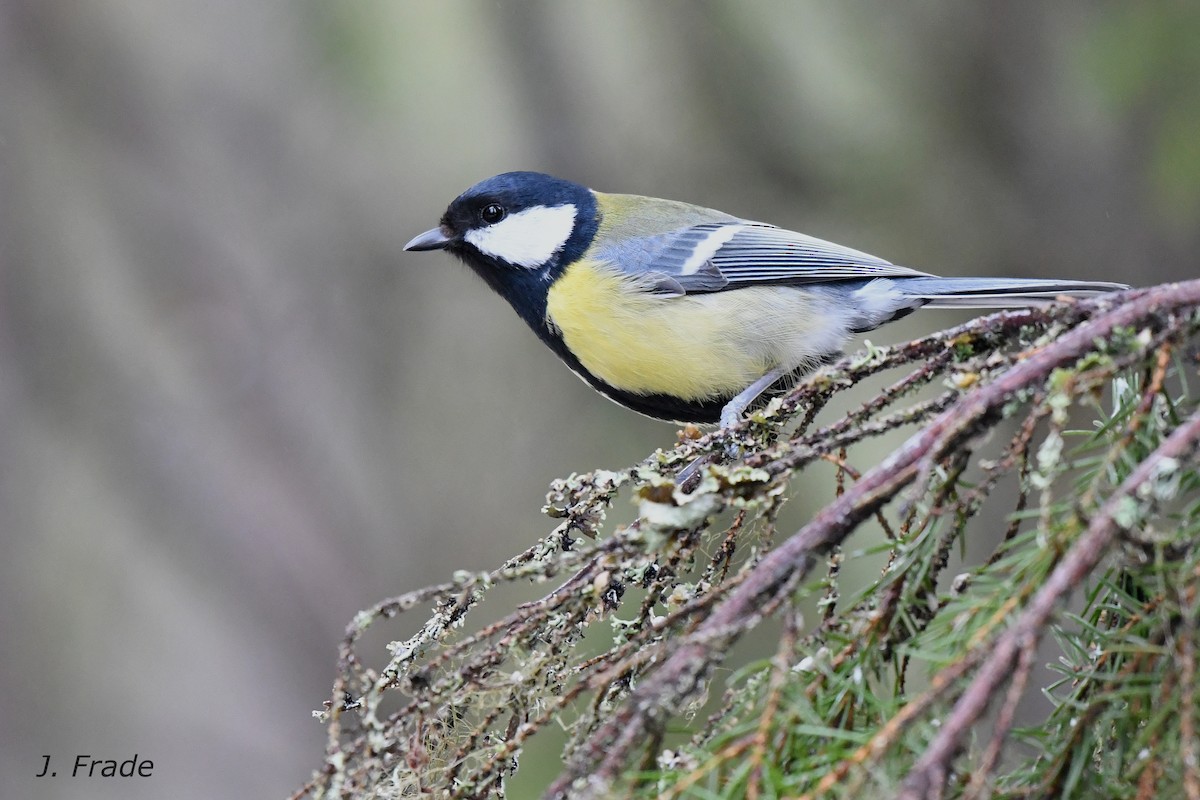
(233, 412)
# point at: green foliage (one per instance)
(825, 702)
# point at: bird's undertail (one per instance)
(998, 292)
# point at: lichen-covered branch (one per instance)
(1051, 454)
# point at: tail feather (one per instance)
(998, 292)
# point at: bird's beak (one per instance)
(429, 240)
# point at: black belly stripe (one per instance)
(661, 406)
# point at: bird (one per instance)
(684, 313)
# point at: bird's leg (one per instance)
(733, 410)
(731, 414)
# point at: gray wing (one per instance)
(727, 255)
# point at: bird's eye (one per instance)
(492, 213)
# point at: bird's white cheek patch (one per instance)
(527, 238)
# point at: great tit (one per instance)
(681, 312)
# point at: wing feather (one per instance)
(725, 255)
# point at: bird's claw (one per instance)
(690, 475)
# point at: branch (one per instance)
(929, 774)
(662, 600)
(592, 772)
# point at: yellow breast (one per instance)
(693, 347)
